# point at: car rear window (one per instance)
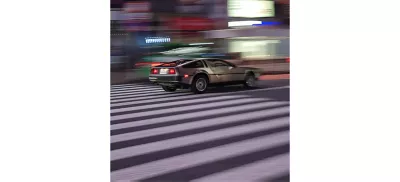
(196, 64)
(174, 63)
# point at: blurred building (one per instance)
(257, 29)
(117, 40)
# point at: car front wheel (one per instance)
(250, 81)
(199, 84)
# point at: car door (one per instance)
(218, 71)
(192, 68)
(231, 71)
(226, 70)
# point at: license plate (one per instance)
(163, 71)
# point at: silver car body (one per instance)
(216, 70)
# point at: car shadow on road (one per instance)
(281, 94)
(230, 88)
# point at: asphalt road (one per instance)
(227, 134)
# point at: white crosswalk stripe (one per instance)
(159, 136)
(148, 97)
(201, 157)
(197, 138)
(252, 172)
(132, 86)
(202, 113)
(114, 98)
(177, 103)
(137, 92)
(192, 125)
(159, 100)
(184, 108)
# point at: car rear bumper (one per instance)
(164, 78)
(167, 80)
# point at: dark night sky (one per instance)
(161, 5)
(169, 6)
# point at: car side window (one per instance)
(209, 63)
(196, 64)
(219, 63)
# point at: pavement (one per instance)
(227, 134)
(138, 77)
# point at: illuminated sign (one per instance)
(251, 8)
(243, 23)
(150, 40)
(137, 16)
(191, 23)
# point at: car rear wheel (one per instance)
(250, 81)
(199, 84)
(169, 89)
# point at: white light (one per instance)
(250, 8)
(156, 39)
(206, 43)
(243, 23)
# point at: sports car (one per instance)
(199, 74)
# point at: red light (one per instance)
(172, 71)
(186, 76)
(154, 71)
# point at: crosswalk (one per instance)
(211, 137)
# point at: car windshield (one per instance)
(175, 63)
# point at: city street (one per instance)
(227, 134)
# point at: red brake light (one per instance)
(154, 71)
(171, 71)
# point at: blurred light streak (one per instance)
(266, 23)
(206, 43)
(243, 23)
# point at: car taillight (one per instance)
(154, 71)
(171, 71)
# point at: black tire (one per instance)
(250, 81)
(169, 89)
(199, 84)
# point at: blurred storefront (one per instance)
(283, 11)
(191, 17)
(142, 26)
(257, 29)
(258, 48)
(188, 29)
(138, 23)
(117, 40)
(253, 43)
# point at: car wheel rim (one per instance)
(201, 84)
(250, 81)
